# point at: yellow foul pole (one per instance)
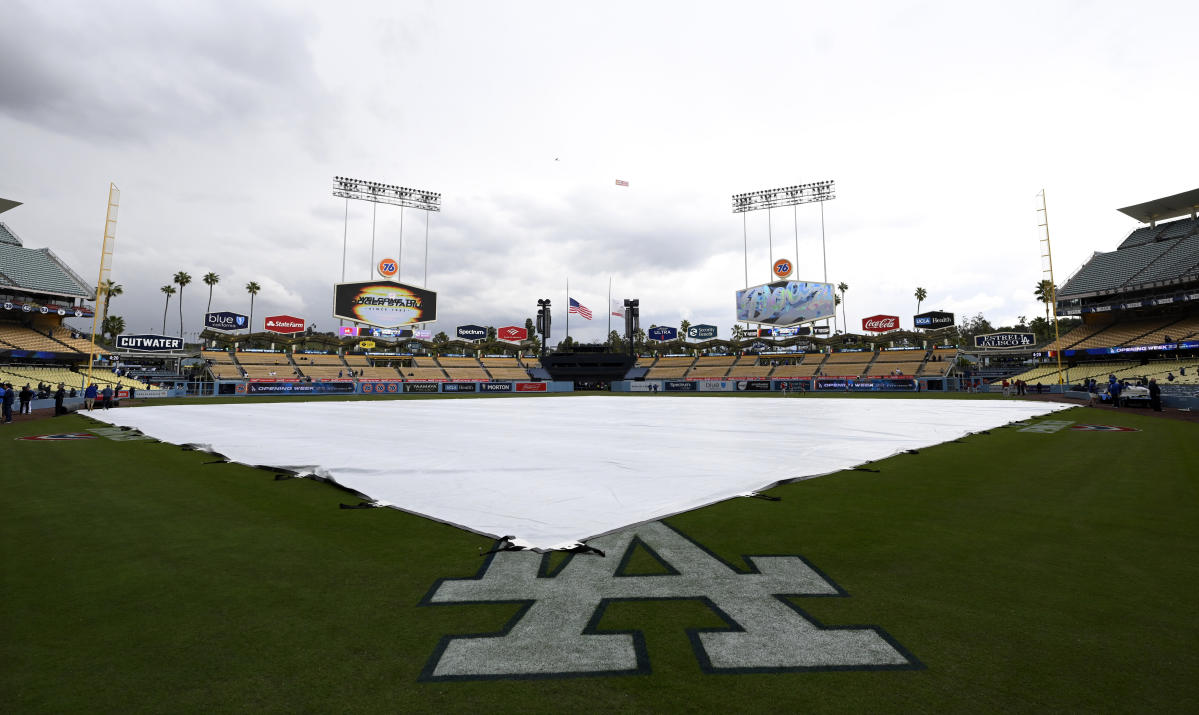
(1047, 269)
(110, 239)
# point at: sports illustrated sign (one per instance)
(285, 324)
(225, 320)
(880, 323)
(149, 343)
(555, 634)
(512, 333)
(933, 319)
(386, 304)
(471, 332)
(1005, 340)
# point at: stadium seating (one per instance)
(1106, 271)
(303, 360)
(895, 368)
(1048, 373)
(1078, 334)
(752, 366)
(900, 356)
(63, 335)
(1121, 332)
(1162, 231)
(804, 369)
(421, 361)
(263, 359)
(423, 373)
(357, 361)
(377, 373)
(70, 378)
(446, 361)
(668, 373)
(225, 371)
(466, 373)
(266, 372)
(324, 372)
(24, 338)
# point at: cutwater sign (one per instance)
(149, 343)
(1005, 340)
(225, 320)
(701, 332)
(663, 333)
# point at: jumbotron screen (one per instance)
(785, 303)
(385, 304)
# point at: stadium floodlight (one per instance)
(784, 196)
(380, 193)
(543, 322)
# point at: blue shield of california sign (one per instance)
(225, 320)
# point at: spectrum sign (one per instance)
(285, 324)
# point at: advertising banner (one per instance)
(366, 344)
(880, 323)
(471, 332)
(785, 303)
(663, 332)
(149, 343)
(422, 387)
(284, 324)
(63, 310)
(381, 387)
(388, 267)
(531, 387)
(512, 334)
(1005, 340)
(679, 386)
(495, 387)
(422, 334)
(701, 332)
(347, 331)
(715, 386)
(793, 385)
(226, 320)
(933, 319)
(298, 388)
(386, 304)
(458, 387)
(753, 385)
(820, 330)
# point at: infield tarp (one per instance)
(553, 472)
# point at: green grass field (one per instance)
(1025, 572)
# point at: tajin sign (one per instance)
(225, 320)
(285, 324)
(149, 343)
(880, 323)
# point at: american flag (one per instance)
(621, 183)
(577, 307)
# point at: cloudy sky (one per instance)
(223, 124)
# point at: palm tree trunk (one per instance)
(250, 327)
(164, 315)
(181, 311)
(209, 308)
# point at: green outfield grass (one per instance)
(1025, 571)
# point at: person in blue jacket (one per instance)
(89, 396)
(7, 400)
(1113, 390)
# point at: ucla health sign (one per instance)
(663, 333)
(225, 320)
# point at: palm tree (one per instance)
(683, 326)
(1046, 292)
(836, 302)
(113, 326)
(842, 287)
(170, 291)
(182, 278)
(110, 290)
(252, 288)
(210, 279)
(921, 294)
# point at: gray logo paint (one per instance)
(556, 633)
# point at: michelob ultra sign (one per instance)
(385, 304)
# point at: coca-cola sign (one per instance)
(284, 324)
(880, 323)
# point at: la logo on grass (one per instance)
(557, 633)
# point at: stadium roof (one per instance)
(1184, 204)
(37, 270)
(6, 204)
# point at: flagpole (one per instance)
(609, 335)
(568, 308)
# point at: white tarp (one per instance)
(553, 471)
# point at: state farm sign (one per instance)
(880, 323)
(284, 324)
(512, 333)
